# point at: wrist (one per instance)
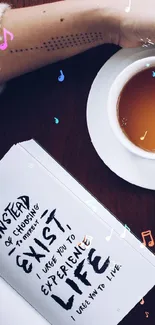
(105, 20)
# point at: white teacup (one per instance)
(113, 97)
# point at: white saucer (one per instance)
(130, 167)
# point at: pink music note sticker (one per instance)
(142, 301)
(4, 45)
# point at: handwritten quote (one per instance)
(77, 269)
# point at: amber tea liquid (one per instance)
(136, 109)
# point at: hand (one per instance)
(136, 27)
(127, 29)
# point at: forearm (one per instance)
(49, 33)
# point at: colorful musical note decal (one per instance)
(56, 120)
(61, 77)
(145, 234)
(143, 137)
(109, 237)
(4, 45)
(86, 242)
(128, 8)
(147, 314)
(147, 42)
(124, 233)
(142, 301)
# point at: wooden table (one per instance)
(28, 107)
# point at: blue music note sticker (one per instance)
(61, 77)
(56, 120)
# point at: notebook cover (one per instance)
(55, 249)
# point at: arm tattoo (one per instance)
(68, 41)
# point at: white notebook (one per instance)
(61, 250)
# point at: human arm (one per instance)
(51, 32)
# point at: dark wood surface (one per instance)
(28, 107)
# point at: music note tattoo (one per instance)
(145, 234)
(4, 45)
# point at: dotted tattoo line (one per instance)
(57, 43)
